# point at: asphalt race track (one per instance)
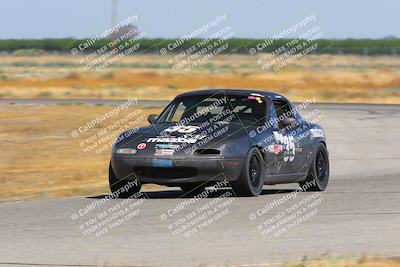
(358, 214)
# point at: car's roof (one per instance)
(269, 94)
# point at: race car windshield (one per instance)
(199, 109)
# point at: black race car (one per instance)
(245, 138)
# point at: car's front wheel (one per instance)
(123, 188)
(251, 180)
(318, 176)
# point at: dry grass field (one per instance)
(41, 159)
(330, 78)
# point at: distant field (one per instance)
(40, 158)
(330, 78)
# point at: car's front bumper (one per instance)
(181, 171)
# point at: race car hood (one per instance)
(167, 139)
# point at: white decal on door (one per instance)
(289, 148)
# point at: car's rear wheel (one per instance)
(251, 180)
(123, 188)
(318, 176)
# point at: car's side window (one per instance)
(283, 110)
(273, 122)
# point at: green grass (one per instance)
(236, 45)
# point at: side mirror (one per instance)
(288, 121)
(152, 118)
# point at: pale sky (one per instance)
(173, 18)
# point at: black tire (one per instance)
(251, 179)
(192, 189)
(124, 188)
(319, 170)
